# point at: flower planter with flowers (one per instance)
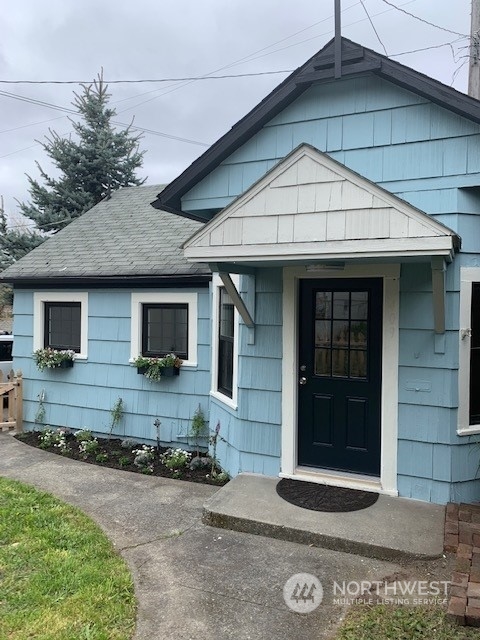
(157, 368)
(49, 358)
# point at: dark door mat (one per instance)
(320, 497)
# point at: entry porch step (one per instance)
(392, 529)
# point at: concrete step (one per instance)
(392, 529)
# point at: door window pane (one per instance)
(358, 335)
(341, 304)
(340, 333)
(322, 333)
(323, 304)
(323, 362)
(339, 363)
(359, 305)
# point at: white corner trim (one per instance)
(468, 275)
(389, 393)
(214, 392)
(164, 297)
(40, 297)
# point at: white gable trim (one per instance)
(310, 206)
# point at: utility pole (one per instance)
(474, 67)
(338, 40)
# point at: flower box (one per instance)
(65, 364)
(154, 369)
(169, 372)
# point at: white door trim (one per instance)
(387, 483)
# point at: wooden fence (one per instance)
(11, 397)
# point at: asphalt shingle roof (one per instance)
(120, 237)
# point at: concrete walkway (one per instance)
(191, 580)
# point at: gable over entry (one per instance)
(311, 209)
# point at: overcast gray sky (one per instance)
(145, 39)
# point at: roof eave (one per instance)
(201, 279)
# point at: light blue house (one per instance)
(338, 340)
(99, 287)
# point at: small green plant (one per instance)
(83, 435)
(124, 461)
(88, 447)
(101, 457)
(54, 438)
(175, 459)
(214, 438)
(144, 456)
(48, 438)
(49, 358)
(40, 412)
(221, 477)
(198, 427)
(117, 414)
(177, 474)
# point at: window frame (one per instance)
(48, 305)
(41, 298)
(468, 276)
(161, 305)
(164, 297)
(215, 392)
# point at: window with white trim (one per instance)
(164, 322)
(224, 344)
(60, 321)
(469, 352)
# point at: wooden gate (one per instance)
(11, 392)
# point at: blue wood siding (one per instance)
(252, 432)
(84, 395)
(389, 135)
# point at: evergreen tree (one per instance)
(14, 244)
(99, 162)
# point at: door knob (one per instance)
(302, 381)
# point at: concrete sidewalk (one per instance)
(391, 529)
(192, 580)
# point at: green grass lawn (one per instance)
(388, 622)
(60, 577)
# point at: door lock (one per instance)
(302, 381)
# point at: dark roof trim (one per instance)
(197, 280)
(190, 216)
(355, 60)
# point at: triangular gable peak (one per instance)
(356, 60)
(310, 207)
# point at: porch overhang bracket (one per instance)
(438, 289)
(237, 300)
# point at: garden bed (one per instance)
(126, 455)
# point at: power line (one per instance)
(412, 15)
(434, 46)
(57, 107)
(373, 26)
(152, 80)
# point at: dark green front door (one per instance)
(339, 376)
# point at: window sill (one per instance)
(224, 399)
(469, 431)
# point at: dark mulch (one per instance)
(122, 458)
(319, 497)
